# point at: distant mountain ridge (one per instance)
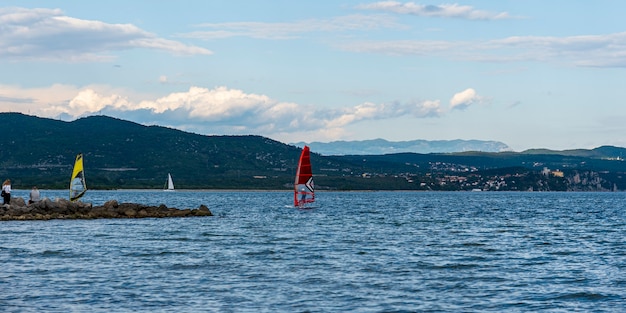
(382, 146)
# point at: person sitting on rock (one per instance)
(34, 195)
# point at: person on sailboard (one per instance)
(34, 195)
(6, 191)
(302, 195)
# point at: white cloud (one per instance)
(62, 100)
(465, 98)
(404, 47)
(48, 34)
(442, 10)
(89, 101)
(430, 108)
(372, 111)
(210, 105)
(589, 50)
(291, 30)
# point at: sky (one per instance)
(530, 74)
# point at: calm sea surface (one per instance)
(355, 252)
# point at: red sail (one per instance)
(304, 191)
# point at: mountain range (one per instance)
(120, 154)
(382, 146)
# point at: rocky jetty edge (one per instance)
(47, 209)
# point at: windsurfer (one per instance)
(302, 196)
(303, 185)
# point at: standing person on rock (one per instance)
(6, 191)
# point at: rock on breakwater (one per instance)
(47, 209)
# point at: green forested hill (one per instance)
(123, 154)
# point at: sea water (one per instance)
(354, 252)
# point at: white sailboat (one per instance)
(169, 184)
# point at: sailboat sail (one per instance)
(304, 191)
(78, 187)
(169, 184)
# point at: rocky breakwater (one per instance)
(47, 209)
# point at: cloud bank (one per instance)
(442, 10)
(47, 34)
(292, 30)
(584, 51)
(220, 110)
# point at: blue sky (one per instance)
(531, 74)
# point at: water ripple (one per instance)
(356, 252)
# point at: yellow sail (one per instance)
(78, 187)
